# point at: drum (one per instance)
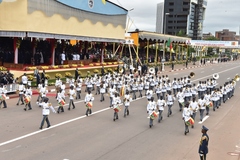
(61, 102)
(117, 109)
(89, 105)
(210, 104)
(153, 115)
(190, 122)
(26, 100)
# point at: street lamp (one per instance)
(165, 20)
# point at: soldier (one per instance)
(127, 100)
(21, 89)
(203, 146)
(170, 100)
(201, 104)
(193, 107)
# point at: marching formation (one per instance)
(124, 88)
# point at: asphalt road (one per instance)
(73, 136)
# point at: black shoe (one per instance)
(73, 107)
(124, 115)
(58, 112)
(4, 107)
(150, 126)
(127, 112)
(22, 103)
(48, 126)
(100, 100)
(185, 133)
(213, 109)
(69, 109)
(17, 104)
(29, 108)
(114, 119)
(159, 121)
(40, 127)
(192, 126)
(86, 114)
(25, 109)
(180, 110)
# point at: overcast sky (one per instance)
(220, 14)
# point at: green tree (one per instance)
(212, 38)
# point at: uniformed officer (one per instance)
(203, 146)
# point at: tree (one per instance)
(212, 38)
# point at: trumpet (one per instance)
(121, 70)
(236, 78)
(151, 70)
(215, 76)
(192, 74)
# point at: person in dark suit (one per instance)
(203, 147)
(102, 71)
(43, 77)
(156, 70)
(76, 74)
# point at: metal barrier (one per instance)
(11, 87)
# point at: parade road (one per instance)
(73, 136)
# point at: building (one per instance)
(207, 35)
(186, 16)
(225, 35)
(159, 20)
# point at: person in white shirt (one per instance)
(78, 89)
(3, 92)
(194, 108)
(46, 111)
(61, 101)
(89, 102)
(151, 107)
(161, 103)
(186, 115)
(28, 95)
(21, 89)
(72, 95)
(201, 104)
(127, 100)
(170, 99)
(180, 97)
(149, 94)
(63, 57)
(207, 98)
(103, 87)
(111, 91)
(43, 91)
(24, 79)
(115, 106)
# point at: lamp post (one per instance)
(163, 59)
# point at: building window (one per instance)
(185, 3)
(185, 9)
(171, 4)
(171, 10)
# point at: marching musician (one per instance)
(151, 107)
(224, 92)
(89, 100)
(168, 86)
(60, 100)
(193, 108)
(39, 88)
(207, 98)
(164, 89)
(27, 96)
(170, 99)
(3, 92)
(214, 98)
(134, 88)
(186, 116)
(180, 97)
(78, 89)
(46, 106)
(158, 90)
(174, 86)
(72, 95)
(149, 94)
(146, 86)
(201, 104)
(103, 88)
(58, 84)
(115, 105)
(24, 79)
(161, 103)
(98, 83)
(140, 88)
(111, 92)
(21, 89)
(126, 102)
(43, 91)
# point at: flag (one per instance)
(104, 2)
(169, 42)
(169, 45)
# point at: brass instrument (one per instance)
(192, 74)
(236, 78)
(215, 76)
(151, 70)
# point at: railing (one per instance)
(11, 87)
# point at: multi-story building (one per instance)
(181, 15)
(207, 35)
(226, 35)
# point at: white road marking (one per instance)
(204, 119)
(81, 117)
(48, 136)
(7, 150)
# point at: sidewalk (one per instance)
(168, 68)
